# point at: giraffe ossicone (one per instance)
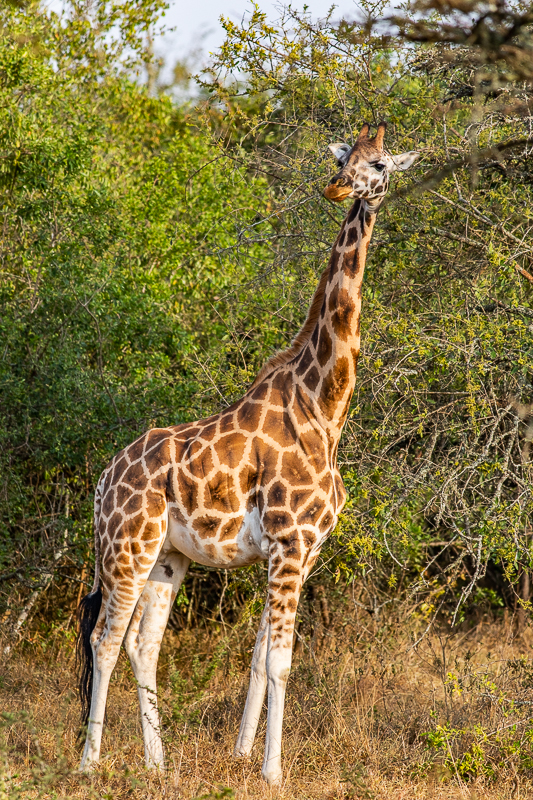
(256, 482)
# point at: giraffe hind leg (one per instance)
(123, 584)
(143, 642)
(106, 640)
(256, 690)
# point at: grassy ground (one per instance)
(367, 715)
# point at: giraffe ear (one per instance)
(340, 151)
(405, 160)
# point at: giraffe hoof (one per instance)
(88, 768)
(155, 766)
(242, 752)
(274, 780)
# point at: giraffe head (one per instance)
(365, 167)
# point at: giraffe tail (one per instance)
(88, 612)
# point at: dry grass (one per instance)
(358, 708)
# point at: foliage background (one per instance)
(154, 253)
(155, 250)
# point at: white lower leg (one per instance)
(153, 746)
(142, 645)
(103, 667)
(278, 668)
(256, 691)
(143, 642)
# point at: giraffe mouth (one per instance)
(337, 193)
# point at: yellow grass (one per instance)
(358, 705)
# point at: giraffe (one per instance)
(256, 482)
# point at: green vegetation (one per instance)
(118, 222)
(436, 453)
(154, 254)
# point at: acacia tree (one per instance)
(436, 454)
(484, 53)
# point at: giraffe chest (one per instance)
(237, 542)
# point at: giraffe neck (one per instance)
(326, 367)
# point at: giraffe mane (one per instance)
(301, 338)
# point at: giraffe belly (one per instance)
(248, 546)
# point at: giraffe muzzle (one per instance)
(337, 193)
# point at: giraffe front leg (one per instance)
(143, 642)
(278, 668)
(256, 690)
(288, 567)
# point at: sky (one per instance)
(197, 21)
(193, 27)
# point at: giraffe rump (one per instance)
(88, 611)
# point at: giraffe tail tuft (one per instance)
(88, 611)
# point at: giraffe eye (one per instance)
(380, 167)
